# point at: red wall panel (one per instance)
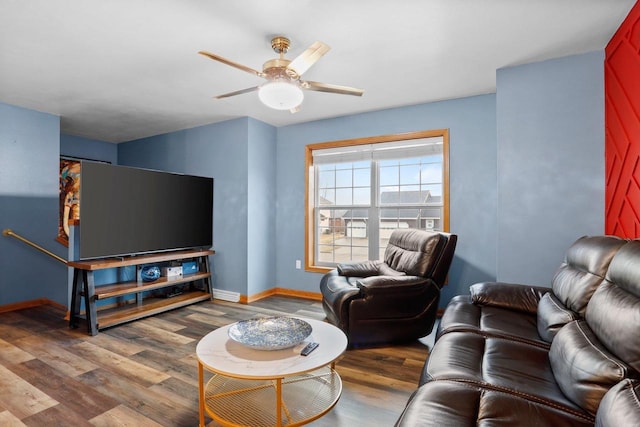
(622, 129)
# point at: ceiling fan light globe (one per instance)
(280, 95)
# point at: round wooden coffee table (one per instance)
(269, 388)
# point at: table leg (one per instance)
(201, 387)
(279, 402)
(208, 281)
(90, 302)
(75, 299)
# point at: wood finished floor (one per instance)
(144, 373)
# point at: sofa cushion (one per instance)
(583, 270)
(585, 266)
(620, 406)
(584, 369)
(451, 403)
(616, 299)
(385, 270)
(504, 364)
(462, 315)
(551, 316)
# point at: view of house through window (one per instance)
(359, 191)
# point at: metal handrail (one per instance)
(10, 233)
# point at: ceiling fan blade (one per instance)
(325, 87)
(306, 59)
(231, 63)
(237, 92)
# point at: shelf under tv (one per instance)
(148, 307)
(191, 288)
(124, 288)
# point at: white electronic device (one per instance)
(172, 271)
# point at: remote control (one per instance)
(309, 348)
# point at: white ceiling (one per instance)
(118, 70)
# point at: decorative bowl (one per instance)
(270, 333)
(150, 273)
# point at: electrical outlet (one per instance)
(298, 264)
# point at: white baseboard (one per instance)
(226, 295)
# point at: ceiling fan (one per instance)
(283, 88)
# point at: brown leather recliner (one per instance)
(394, 300)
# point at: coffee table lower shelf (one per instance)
(299, 399)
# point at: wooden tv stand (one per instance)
(84, 288)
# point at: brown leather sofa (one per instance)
(390, 300)
(519, 355)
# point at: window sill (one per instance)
(317, 269)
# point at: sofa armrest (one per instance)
(359, 269)
(508, 295)
(376, 285)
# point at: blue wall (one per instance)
(472, 125)
(261, 212)
(86, 148)
(220, 151)
(550, 162)
(29, 168)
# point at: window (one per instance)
(359, 191)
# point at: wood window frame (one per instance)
(309, 218)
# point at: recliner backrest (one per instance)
(613, 313)
(590, 356)
(583, 270)
(441, 269)
(585, 266)
(419, 252)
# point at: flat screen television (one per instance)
(129, 211)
